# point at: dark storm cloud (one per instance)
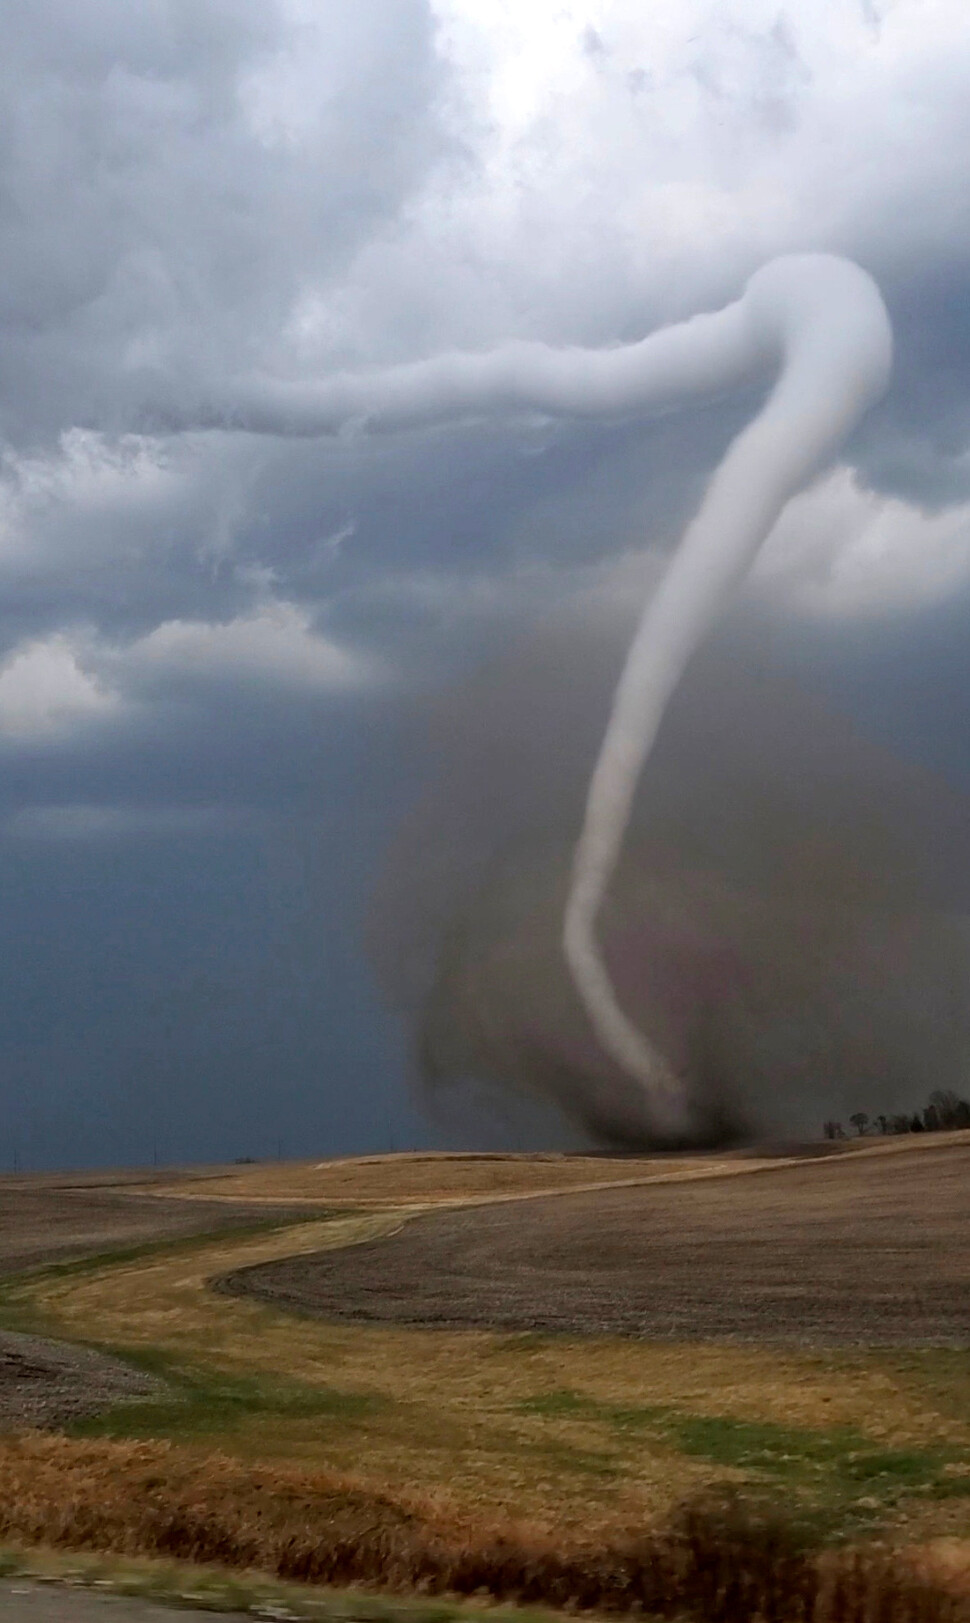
(204, 641)
(788, 924)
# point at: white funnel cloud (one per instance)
(825, 324)
(820, 322)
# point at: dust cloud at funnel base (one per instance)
(819, 324)
(786, 923)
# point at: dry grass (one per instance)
(160, 1581)
(713, 1560)
(538, 1467)
(446, 1178)
(559, 1431)
(42, 1222)
(435, 1178)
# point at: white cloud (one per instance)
(248, 197)
(86, 498)
(634, 157)
(275, 644)
(45, 693)
(53, 687)
(842, 550)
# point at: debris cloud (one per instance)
(788, 922)
(819, 323)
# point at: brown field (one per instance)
(54, 1217)
(862, 1249)
(44, 1384)
(438, 1178)
(445, 1439)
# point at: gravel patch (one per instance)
(48, 1384)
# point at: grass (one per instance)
(836, 1473)
(532, 1467)
(716, 1559)
(219, 1590)
(542, 1429)
(443, 1178)
(145, 1249)
(208, 1405)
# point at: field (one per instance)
(600, 1358)
(51, 1218)
(844, 1252)
(438, 1178)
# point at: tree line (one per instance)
(942, 1113)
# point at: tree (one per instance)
(946, 1104)
(860, 1121)
(916, 1125)
(833, 1129)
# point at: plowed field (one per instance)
(857, 1249)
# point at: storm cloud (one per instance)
(207, 644)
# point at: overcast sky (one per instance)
(213, 647)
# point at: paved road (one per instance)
(22, 1602)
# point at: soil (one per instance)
(48, 1383)
(847, 1250)
(55, 1218)
(43, 1219)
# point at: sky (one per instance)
(218, 651)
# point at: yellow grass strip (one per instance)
(387, 1181)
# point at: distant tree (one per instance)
(946, 1103)
(931, 1119)
(833, 1129)
(883, 1124)
(951, 1110)
(900, 1124)
(860, 1121)
(916, 1125)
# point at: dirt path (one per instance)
(863, 1249)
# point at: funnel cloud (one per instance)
(820, 323)
(788, 922)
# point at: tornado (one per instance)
(824, 325)
(817, 325)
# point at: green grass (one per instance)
(204, 1403)
(20, 1312)
(837, 1475)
